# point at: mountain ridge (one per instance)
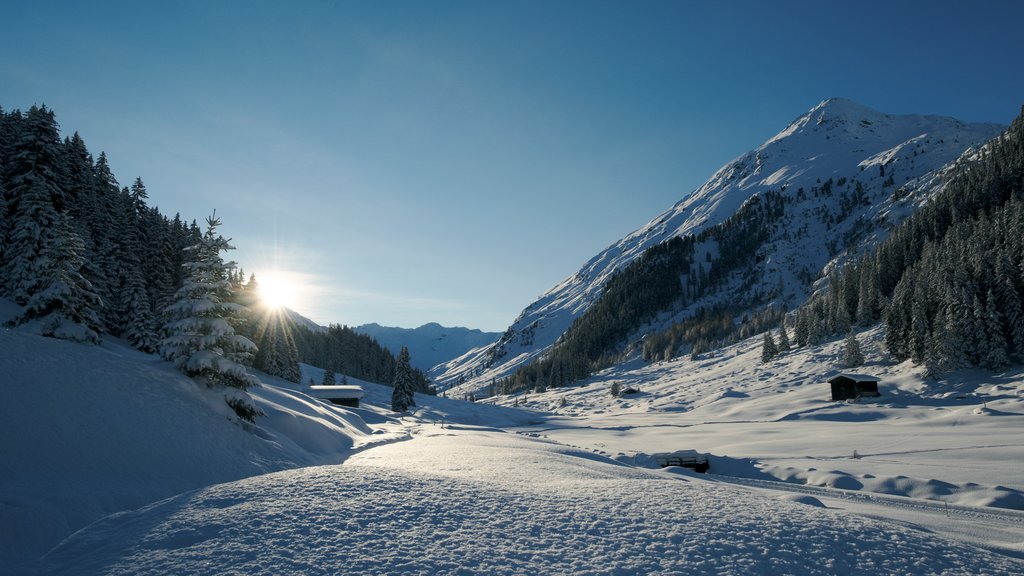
(836, 143)
(430, 344)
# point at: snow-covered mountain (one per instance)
(430, 344)
(847, 174)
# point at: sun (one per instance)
(277, 290)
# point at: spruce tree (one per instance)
(61, 302)
(328, 379)
(995, 356)
(768, 348)
(201, 341)
(32, 187)
(784, 345)
(402, 387)
(3, 225)
(852, 356)
(274, 336)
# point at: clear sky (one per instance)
(408, 162)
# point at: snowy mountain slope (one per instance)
(836, 166)
(87, 431)
(300, 320)
(430, 344)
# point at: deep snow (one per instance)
(457, 501)
(127, 467)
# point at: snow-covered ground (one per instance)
(464, 501)
(115, 463)
(959, 441)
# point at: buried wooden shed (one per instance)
(853, 386)
(340, 395)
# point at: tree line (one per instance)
(86, 256)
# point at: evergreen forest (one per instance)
(89, 257)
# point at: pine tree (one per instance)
(768, 348)
(279, 354)
(995, 356)
(32, 187)
(784, 345)
(201, 341)
(801, 331)
(328, 379)
(852, 356)
(61, 302)
(3, 223)
(402, 387)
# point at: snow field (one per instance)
(139, 471)
(959, 441)
(470, 502)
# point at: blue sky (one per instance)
(408, 162)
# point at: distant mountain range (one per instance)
(841, 176)
(430, 344)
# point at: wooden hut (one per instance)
(853, 386)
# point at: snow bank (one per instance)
(86, 431)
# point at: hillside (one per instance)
(87, 431)
(430, 344)
(838, 177)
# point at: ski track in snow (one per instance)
(469, 502)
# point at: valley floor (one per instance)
(116, 464)
(466, 500)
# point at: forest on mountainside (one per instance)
(668, 276)
(948, 283)
(81, 250)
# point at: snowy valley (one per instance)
(110, 468)
(214, 458)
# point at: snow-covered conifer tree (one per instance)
(402, 393)
(61, 302)
(32, 186)
(784, 345)
(852, 356)
(768, 348)
(995, 356)
(279, 353)
(328, 378)
(3, 226)
(200, 340)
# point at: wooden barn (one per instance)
(853, 386)
(340, 395)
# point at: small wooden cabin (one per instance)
(853, 386)
(340, 395)
(685, 458)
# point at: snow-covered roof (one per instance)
(346, 391)
(855, 377)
